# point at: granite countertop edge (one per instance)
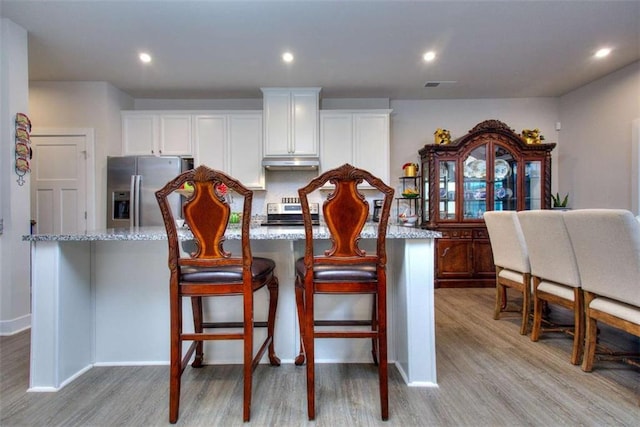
(257, 233)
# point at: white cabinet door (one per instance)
(245, 150)
(210, 141)
(139, 134)
(158, 134)
(304, 126)
(232, 143)
(175, 135)
(277, 123)
(358, 138)
(336, 140)
(371, 144)
(291, 122)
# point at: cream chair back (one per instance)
(607, 247)
(549, 245)
(507, 241)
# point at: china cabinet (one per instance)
(291, 121)
(489, 168)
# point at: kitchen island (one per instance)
(102, 299)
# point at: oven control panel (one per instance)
(290, 208)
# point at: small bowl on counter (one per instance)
(408, 220)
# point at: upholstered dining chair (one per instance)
(345, 268)
(211, 271)
(511, 259)
(607, 247)
(554, 273)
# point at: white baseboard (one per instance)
(13, 326)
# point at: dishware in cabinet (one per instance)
(489, 168)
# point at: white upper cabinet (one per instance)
(358, 137)
(175, 135)
(158, 134)
(210, 132)
(139, 133)
(231, 142)
(291, 122)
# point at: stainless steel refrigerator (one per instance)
(131, 185)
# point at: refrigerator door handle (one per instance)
(133, 190)
(138, 197)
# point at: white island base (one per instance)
(102, 300)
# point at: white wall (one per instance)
(15, 292)
(596, 151)
(94, 105)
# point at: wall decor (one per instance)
(23, 146)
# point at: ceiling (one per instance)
(352, 49)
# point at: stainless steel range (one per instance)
(289, 212)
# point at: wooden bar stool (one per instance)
(344, 269)
(210, 271)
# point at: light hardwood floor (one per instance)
(488, 375)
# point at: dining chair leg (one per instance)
(591, 335)
(526, 295)
(196, 308)
(272, 286)
(537, 318)
(499, 301)
(578, 330)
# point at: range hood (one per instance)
(287, 163)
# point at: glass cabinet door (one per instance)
(505, 197)
(425, 192)
(447, 189)
(533, 185)
(475, 183)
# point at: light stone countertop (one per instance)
(233, 233)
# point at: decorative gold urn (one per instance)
(442, 136)
(532, 136)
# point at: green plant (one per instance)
(559, 202)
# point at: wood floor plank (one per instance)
(488, 375)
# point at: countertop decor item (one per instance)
(410, 169)
(558, 202)
(442, 136)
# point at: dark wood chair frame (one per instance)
(345, 212)
(207, 213)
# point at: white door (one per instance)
(59, 183)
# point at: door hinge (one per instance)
(85, 214)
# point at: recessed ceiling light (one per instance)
(602, 52)
(287, 57)
(429, 56)
(145, 57)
